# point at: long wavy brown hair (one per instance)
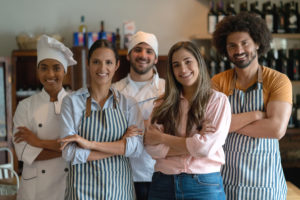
(168, 112)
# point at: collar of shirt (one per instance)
(57, 104)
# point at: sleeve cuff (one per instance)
(134, 146)
(30, 153)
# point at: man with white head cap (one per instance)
(142, 83)
(36, 127)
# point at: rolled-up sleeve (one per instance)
(134, 145)
(71, 153)
(24, 151)
(219, 114)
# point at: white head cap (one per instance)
(48, 47)
(148, 38)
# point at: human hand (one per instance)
(81, 142)
(132, 131)
(25, 135)
(152, 135)
(207, 128)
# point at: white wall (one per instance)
(170, 20)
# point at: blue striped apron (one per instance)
(108, 178)
(252, 168)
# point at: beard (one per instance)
(142, 71)
(244, 63)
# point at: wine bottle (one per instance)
(221, 11)
(244, 6)
(230, 9)
(282, 62)
(212, 18)
(268, 15)
(254, 9)
(118, 39)
(279, 21)
(291, 19)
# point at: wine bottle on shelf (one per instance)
(291, 18)
(282, 62)
(230, 9)
(293, 64)
(212, 67)
(212, 18)
(244, 6)
(221, 12)
(271, 59)
(268, 15)
(279, 21)
(297, 110)
(102, 33)
(118, 39)
(254, 9)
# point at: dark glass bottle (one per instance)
(293, 65)
(254, 9)
(268, 15)
(279, 21)
(212, 18)
(118, 39)
(221, 12)
(291, 18)
(271, 60)
(230, 9)
(244, 6)
(282, 61)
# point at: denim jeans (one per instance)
(187, 186)
(142, 190)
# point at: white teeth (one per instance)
(102, 74)
(50, 81)
(186, 75)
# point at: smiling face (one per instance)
(185, 68)
(142, 58)
(102, 66)
(51, 74)
(241, 49)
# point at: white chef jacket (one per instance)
(40, 179)
(143, 166)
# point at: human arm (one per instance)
(200, 144)
(275, 123)
(241, 120)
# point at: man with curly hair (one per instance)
(261, 104)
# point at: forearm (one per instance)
(238, 121)
(47, 155)
(52, 145)
(112, 148)
(265, 128)
(177, 144)
(96, 155)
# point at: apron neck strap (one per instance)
(233, 83)
(89, 102)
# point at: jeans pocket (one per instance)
(208, 179)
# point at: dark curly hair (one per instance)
(243, 22)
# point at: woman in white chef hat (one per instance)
(36, 126)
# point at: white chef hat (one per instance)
(48, 47)
(148, 38)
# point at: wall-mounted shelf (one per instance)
(275, 35)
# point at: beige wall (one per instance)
(170, 20)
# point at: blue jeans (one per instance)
(187, 186)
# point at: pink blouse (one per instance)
(206, 154)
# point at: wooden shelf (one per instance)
(275, 35)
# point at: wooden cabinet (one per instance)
(290, 148)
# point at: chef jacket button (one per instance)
(66, 169)
(40, 125)
(43, 171)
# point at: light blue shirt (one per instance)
(72, 112)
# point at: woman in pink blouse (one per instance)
(187, 129)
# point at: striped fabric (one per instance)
(108, 178)
(252, 168)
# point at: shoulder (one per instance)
(274, 75)
(125, 99)
(221, 81)
(217, 96)
(119, 85)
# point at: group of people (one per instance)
(143, 137)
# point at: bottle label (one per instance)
(212, 21)
(269, 22)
